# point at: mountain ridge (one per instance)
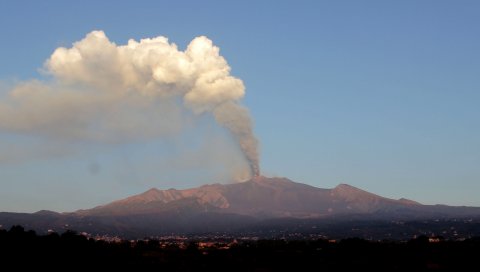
(260, 204)
(262, 197)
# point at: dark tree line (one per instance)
(24, 249)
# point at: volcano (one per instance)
(259, 197)
(231, 207)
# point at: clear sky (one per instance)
(382, 95)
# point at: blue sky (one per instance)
(382, 95)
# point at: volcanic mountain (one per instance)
(259, 197)
(230, 207)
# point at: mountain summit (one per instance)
(259, 197)
(260, 204)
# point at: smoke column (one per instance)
(237, 119)
(100, 90)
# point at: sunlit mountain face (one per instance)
(262, 204)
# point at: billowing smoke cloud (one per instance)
(101, 91)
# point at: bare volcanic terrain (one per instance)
(258, 203)
(264, 197)
(259, 197)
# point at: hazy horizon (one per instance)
(100, 102)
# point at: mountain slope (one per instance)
(260, 197)
(261, 204)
